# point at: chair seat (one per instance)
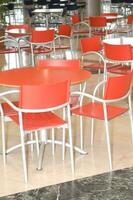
(8, 50)
(95, 110)
(57, 47)
(35, 121)
(25, 47)
(18, 35)
(124, 29)
(98, 66)
(8, 110)
(74, 101)
(39, 50)
(120, 69)
(102, 33)
(81, 32)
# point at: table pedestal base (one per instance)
(42, 148)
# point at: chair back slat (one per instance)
(118, 87)
(75, 19)
(97, 21)
(130, 19)
(44, 96)
(65, 29)
(90, 44)
(40, 36)
(118, 52)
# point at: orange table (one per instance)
(109, 17)
(31, 75)
(18, 32)
(120, 40)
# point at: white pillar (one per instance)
(92, 7)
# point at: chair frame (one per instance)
(22, 110)
(104, 102)
(121, 55)
(94, 47)
(76, 24)
(99, 27)
(11, 46)
(64, 34)
(34, 45)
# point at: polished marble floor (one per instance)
(56, 171)
(117, 185)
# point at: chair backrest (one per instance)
(70, 64)
(130, 19)
(118, 86)
(97, 21)
(75, 19)
(65, 29)
(40, 36)
(120, 52)
(90, 44)
(44, 96)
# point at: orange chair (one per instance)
(99, 27)
(22, 31)
(75, 19)
(73, 64)
(93, 46)
(120, 55)
(41, 42)
(116, 89)
(130, 19)
(63, 40)
(5, 112)
(38, 113)
(79, 27)
(126, 27)
(130, 23)
(11, 50)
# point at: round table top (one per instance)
(34, 75)
(113, 17)
(18, 31)
(120, 40)
(23, 31)
(47, 11)
(108, 17)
